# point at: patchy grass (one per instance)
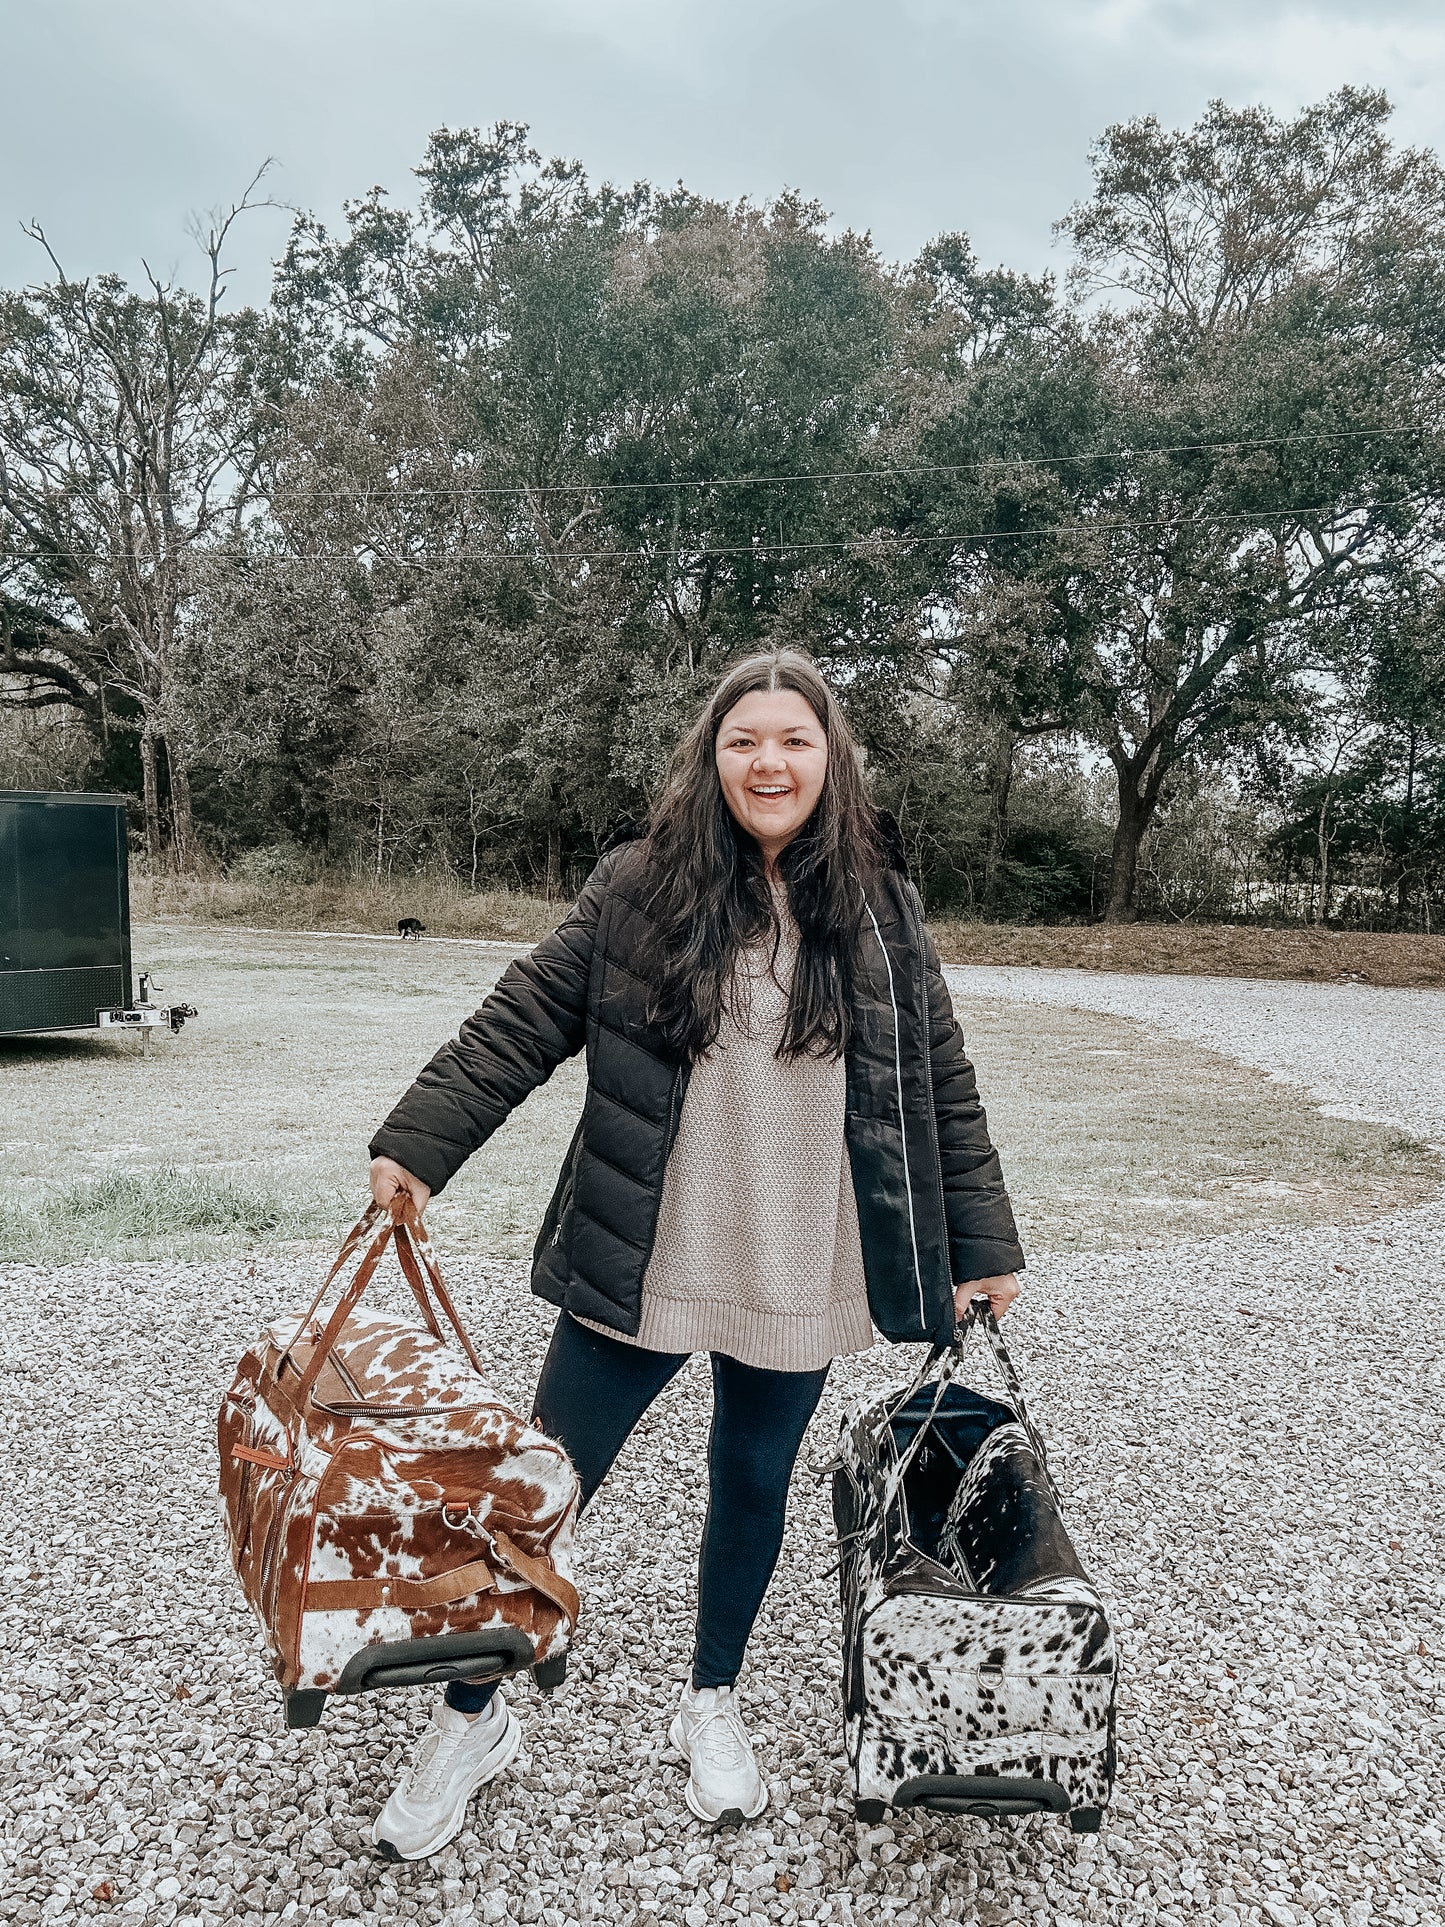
(1203, 950)
(252, 1125)
(167, 1208)
(302, 1046)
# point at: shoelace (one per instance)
(432, 1764)
(722, 1739)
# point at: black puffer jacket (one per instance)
(932, 1208)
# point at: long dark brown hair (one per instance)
(710, 893)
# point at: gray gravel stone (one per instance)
(1249, 1439)
(1364, 1052)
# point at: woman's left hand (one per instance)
(1000, 1293)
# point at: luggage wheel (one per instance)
(304, 1708)
(550, 1673)
(1085, 1820)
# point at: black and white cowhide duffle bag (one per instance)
(979, 1671)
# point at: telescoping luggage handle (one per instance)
(980, 1312)
(401, 1225)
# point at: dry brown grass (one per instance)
(449, 909)
(1115, 1136)
(1202, 950)
(366, 906)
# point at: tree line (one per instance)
(1130, 578)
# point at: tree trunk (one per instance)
(1322, 841)
(1136, 812)
(1000, 787)
(182, 820)
(1407, 830)
(554, 861)
(150, 789)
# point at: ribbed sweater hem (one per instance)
(770, 1341)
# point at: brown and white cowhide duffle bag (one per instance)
(979, 1671)
(391, 1519)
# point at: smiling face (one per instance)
(772, 757)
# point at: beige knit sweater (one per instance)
(757, 1253)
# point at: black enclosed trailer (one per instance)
(64, 910)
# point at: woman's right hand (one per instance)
(388, 1177)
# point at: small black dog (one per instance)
(409, 927)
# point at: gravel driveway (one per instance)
(1249, 1437)
(1365, 1053)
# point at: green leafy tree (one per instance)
(127, 443)
(571, 437)
(1250, 251)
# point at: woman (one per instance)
(781, 1147)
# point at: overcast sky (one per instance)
(119, 118)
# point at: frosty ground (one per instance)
(1247, 1426)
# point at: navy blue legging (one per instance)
(591, 1394)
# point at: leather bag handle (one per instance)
(417, 1259)
(351, 1243)
(979, 1312)
(418, 1262)
(345, 1305)
(349, 1246)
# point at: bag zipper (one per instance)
(247, 1471)
(365, 1408)
(948, 1586)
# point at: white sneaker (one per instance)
(455, 1757)
(724, 1784)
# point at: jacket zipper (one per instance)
(902, 1117)
(937, 1161)
(569, 1184)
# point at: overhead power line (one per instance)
(886, 473)
(886, 539)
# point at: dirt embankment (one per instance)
(1203, 950)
